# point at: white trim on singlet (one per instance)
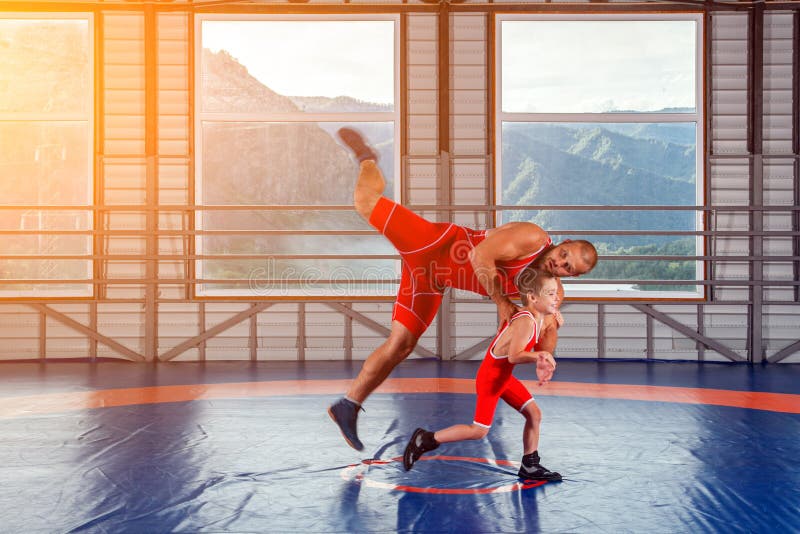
(410, 310)
(469, 237)
(429, 245)
(536, 330)
(532, 258)
(388, 218)
(527, 402)
(481, 424)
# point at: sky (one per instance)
(597, 66)
(547, 66)
(298, 58)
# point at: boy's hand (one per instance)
(545, 367)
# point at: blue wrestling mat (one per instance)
(276, 463)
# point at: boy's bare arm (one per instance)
(519, 331)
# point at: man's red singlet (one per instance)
(434, 256)
(495, 381)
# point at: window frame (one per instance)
(585, 291)
(200, 116)
(82, 290)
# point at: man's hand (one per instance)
(559, 319)
(545, 367)
(505, 310)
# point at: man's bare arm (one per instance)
(508, 242)
(548, 339)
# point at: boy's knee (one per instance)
(533, 412)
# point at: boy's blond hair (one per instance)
(531, 281)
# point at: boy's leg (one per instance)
(519, 398)
(421, 441)
(530, 435)
(460, 433)
(531, 469)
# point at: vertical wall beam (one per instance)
(601, 331)
(404, 111)
(755, 143)
(796, 147)
(151, 192)
(444, 345)
(253, 343)
(708, 216)
(491, 134)
(202, 319)
(42, 335)
(93, 326)
(701, 349)
(99, 222)
(348, 335)
(191, 214)
(301, 331)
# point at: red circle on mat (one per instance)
(347, 474)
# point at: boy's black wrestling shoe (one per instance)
(344, 413)
(531, 469)
(355, 142)
(421, 442)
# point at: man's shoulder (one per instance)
(522, 228)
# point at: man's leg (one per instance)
(382, 361)
(376, 368)
(369, 188)
(371, 184)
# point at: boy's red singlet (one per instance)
(495, 379)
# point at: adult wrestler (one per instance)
(436, 256)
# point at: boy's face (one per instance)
(547, 300)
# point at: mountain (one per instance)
(603, 143)
(258, 163)
(265, 163)
(278, 158)
(339, 104)
(299, 163)
(680, 133)
(557, 164)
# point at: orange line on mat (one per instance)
(107, 398)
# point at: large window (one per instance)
(275, 183)
(46, 136)
(606, 111)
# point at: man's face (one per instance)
(565, 260)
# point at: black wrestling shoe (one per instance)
(421, 442)
(344, 413)
(355, 142)
(531, 469)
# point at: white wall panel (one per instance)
(778, 50)
(729, 86)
